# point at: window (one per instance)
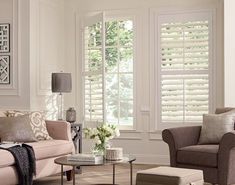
(119, 76)
(184, 67)
(108, 72)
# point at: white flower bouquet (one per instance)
(101, 135)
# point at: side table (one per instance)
(76, 129)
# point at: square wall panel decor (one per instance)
(4, 69)
(4, 38)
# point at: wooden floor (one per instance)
(98, 175)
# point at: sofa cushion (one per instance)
(43, 149)
(200, 155)
(51, 148)
(6, 158)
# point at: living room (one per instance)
(119, 51)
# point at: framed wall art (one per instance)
(4, 69)
(4, 38)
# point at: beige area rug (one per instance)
(98, 175)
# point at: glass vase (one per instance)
(100, 149)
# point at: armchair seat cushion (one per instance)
(199, 155)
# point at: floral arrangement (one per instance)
(101, 135)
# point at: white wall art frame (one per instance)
(4, 69)
(4, 38)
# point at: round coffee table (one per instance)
(63, 161)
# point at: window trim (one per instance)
(157, 63)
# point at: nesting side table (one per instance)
(76, 129)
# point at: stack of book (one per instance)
(88, 158)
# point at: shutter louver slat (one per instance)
(180, 45)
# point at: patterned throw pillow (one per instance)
(15, 113)
(37, 122)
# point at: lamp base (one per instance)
(60, 107)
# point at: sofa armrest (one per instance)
(60, 130)
(226, 159)
(180, 137)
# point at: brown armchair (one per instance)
(216, 161)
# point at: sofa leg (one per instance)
(69, 175)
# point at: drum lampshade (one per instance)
(61, 82)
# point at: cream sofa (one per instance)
(45, 153)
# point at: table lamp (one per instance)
(61, 83)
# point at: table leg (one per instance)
(114, 174)
(62, 174)
(131, 173)
(74, 168)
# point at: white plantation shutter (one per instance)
(93, 69)
(93, 98)
(184, 48)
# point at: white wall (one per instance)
(145, 142)
(16, 95)
(229, 54)
(46, 52)
(38, 50)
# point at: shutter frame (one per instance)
(93, 73)
(203, 67)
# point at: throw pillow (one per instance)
(3, 114)
(17, 129)
(37, 122)
(15, 113)
(214, 127)
(224, 110)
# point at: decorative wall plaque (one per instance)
(4, 38)
(4, 69)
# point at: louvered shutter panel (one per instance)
(93, 73)
(184, 54)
